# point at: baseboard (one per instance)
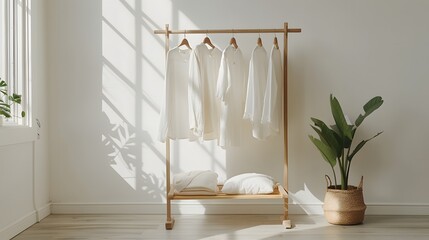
(398, 209)
(25, 222)
(18, 226)
(157, 208)
(43, 212)
(107, 208)
(195, 207)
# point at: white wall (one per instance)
(40, 106)
(106, 79)
(24, 165)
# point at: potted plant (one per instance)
(7, 101)
(344, 203)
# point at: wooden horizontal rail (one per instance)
(278, 193)
(269, 30)
(227, 196)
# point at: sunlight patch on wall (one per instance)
(121, 18)
(119, 91)
(119, 52)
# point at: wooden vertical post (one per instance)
(286, 221)
(170, 221)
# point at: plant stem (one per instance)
(348, 163)
(343, 177)
(348, 169)
(335, 178)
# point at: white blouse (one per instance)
(231, 86)
(204, 107)
(174, 122)
(272, 111)
(255, 92)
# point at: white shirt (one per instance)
(174, 123)
(271, 114)
(203, 105)
(230, 90)
(255, 92)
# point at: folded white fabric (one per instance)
(195, 182)
(249, 183)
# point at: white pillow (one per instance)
(249, 183)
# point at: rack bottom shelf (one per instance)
(279, 193)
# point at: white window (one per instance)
(15, 56)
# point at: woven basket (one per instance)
(344, 207)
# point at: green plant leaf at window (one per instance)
(7, 100)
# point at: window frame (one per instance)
(16, 58)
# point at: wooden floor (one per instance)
(229, 227)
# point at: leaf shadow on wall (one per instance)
(121, 147)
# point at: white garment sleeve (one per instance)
(195, 93)
(271, 111)
(249, 107)
(165, 114)
(270, 95)
(244, 81)
(223, 83)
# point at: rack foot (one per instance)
(169, 224)
(287, 224)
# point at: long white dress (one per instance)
(174, 123)
(271, 114)
(256, 84)
(203, 105)
(231, 86)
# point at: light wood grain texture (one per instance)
(169, 224)
(279, 193)
(275, 195)
(220, 227)
(202, 31)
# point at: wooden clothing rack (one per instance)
(281, 191)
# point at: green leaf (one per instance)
(4, 92)
(327, 153)
(329, 136)
(5, 113)
(360, 145)
(319, 132)
(373, 104)
(339, 118)
(6, 107)
(317, 122)
(369, 107)
(22, 114)
(3, 83)
(15, 98)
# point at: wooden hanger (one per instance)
(208, 42)
(259, 42)
(233, 42)
(275, 42)
(185, 43)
